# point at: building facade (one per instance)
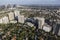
(11, 16)
(5, 20)
(40, 22)
(21, 19)
(16, 14)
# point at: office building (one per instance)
(5, 20)
(56, 29)
(16, 13)
(11, 16)
(21, 19)
(40, 22)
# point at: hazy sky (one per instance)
(53, 2)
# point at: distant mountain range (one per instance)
(42, 6)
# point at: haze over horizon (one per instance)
(30, 2)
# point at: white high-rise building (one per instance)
(21, 18)
(40, 22)
(17, 13)
(5, 20)
(11, 16)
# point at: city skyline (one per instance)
(30, 2)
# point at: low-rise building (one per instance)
(30, 24)
(47, 28)
(13, 21)
(58, 11)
